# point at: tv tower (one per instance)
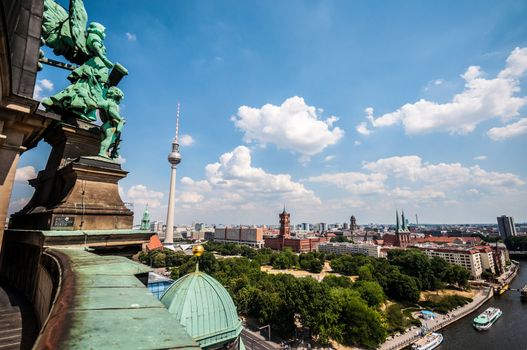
(174, 158)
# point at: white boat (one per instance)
(428, 342)
(487, 318)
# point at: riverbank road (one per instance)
(439, 322)
(254, 341)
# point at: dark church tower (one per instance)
(353, 224)
(285, 225)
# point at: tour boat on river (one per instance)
(428, 342)
(487, 318)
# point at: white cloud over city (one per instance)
(482, 99)
(142, 195)
(233, 183)
(403, 178)
(294, 126)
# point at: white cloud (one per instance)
(442, 175)
(293, 125)
(25, 173)
(480, 157)
(43, 87)
(18, 204)
(141, 195)
(190, 197)
(356, 143)
(329, 158)
(416, 195)
(131, 36)
(186, 140)
(407, 178)
(481, 100)
(233, 183)
(508, 131)
(362, 129)
(473, 192)
(434, 84)
(354, 182)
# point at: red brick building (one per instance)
(284, 239)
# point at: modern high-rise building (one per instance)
(506, 227)
(174, 158)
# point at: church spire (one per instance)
(404, 228)
(145, 222)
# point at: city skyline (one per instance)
(313, 106)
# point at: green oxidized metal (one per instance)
(205, 308)
(145, 222)
(92, 85)
(107, 307)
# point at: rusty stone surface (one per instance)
(77, 190)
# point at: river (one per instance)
(508, 333)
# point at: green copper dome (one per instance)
(205, 308)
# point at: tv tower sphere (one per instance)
(174, 157)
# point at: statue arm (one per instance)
(115, 114)
(98, 50)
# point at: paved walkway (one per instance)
(439, 322)
(18, 325)
(254, 341)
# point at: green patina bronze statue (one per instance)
(92, 85)
(112, 123)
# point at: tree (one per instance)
(349, 264)
(365, 272)
(340, 239)
(371, 292)
(312, 262)
(487, 275)
(159, 259)
(402, 287)
(457, 275)
(286, 259)
(314, 308)
(337, 281)
(413, 263)
(357, 324)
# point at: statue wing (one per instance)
(65, 32)
(78, 22)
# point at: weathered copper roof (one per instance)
(204, 307)
(101, 305)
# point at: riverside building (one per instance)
(469, 258)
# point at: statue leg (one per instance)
(107, 138)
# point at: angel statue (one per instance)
(112, 123)
(67, 35)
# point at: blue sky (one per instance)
(332, 108)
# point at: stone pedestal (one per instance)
(77, 190)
